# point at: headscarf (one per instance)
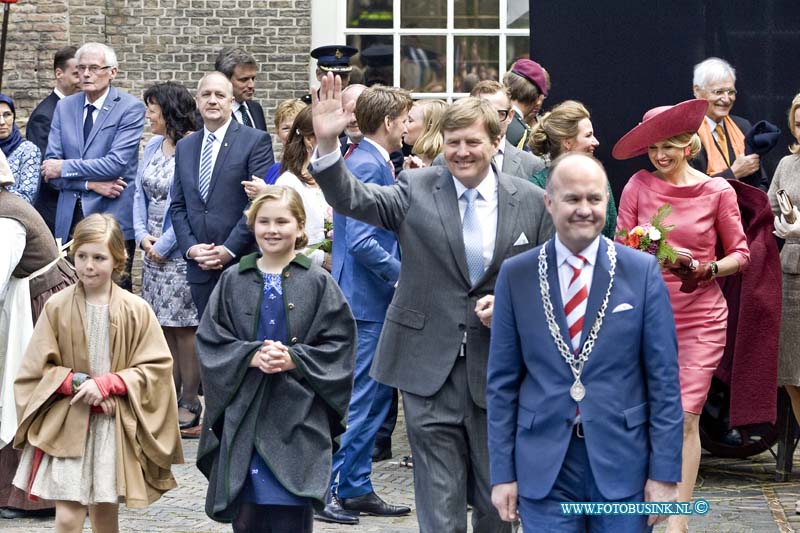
(10, 143)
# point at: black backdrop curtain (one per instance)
(621, 58)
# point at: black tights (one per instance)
(254, 518)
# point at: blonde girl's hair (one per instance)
(102, 228)
(286, 195)
(431, 142)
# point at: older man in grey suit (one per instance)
(456, 225)
(509, 158)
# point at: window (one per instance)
(434, 48)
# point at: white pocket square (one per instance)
(522, 239)
(622, 307)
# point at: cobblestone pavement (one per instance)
(742, 494)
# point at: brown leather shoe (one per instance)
(192, 432)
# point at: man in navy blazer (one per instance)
(65, 70)
(241, 68)
(366, 264)
(211, 228)
(94, 138)
(608, 425)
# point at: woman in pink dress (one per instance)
(704, 212)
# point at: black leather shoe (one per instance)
(11, 513)
(381, 453)
(334, 513)
(372, 504)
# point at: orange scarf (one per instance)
(717, 163)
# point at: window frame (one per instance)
(322, 33)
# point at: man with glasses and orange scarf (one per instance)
(723, 134)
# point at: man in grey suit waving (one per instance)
(455, 225)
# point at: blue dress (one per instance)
(262, 487)
(272, 174)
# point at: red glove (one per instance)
(66, 386)
(110, 384)
(697, 277)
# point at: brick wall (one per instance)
(160, 40)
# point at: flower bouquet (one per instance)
(652, 237)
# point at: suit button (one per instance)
(462, 327)
(290, 305)
(294, 340)
(205, 211)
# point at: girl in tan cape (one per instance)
(96, 403)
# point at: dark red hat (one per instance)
(659, 124)
(533, 72)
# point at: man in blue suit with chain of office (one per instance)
(582, 389)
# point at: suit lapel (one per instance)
(444, 195)
(102, 115)
(386, 172)
(555, 289)
(507, 205)
(222, 155)
(600, 280)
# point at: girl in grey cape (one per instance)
(276, 347)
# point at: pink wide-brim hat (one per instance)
(659, 124)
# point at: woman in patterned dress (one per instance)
(171, 112)
(23, 156)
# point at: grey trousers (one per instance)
(447, 433)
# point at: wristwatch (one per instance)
(714, 269)
(77, 380)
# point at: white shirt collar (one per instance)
(380, 148)
(98, 104)
(589, 253)
(219, 134)
(711, 123)
(501, 149)
(486, 188)
(59, 93)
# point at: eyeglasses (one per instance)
(722, 92)
(94, 69)
(503, 113)
(7, 115)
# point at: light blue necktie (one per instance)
(206, 167)
(473, 238)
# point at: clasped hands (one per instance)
(784, 229)
(272, 357)
(690, 271)
(89, 393)
(209, 256)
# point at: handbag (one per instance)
(786, 206)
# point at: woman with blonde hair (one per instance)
(567, 128)
(424, 132)
(285, 114)
(704, 212)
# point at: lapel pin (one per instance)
(225, 144)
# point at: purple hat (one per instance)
(659, 124)
(533, 72)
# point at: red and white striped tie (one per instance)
(575, 308)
